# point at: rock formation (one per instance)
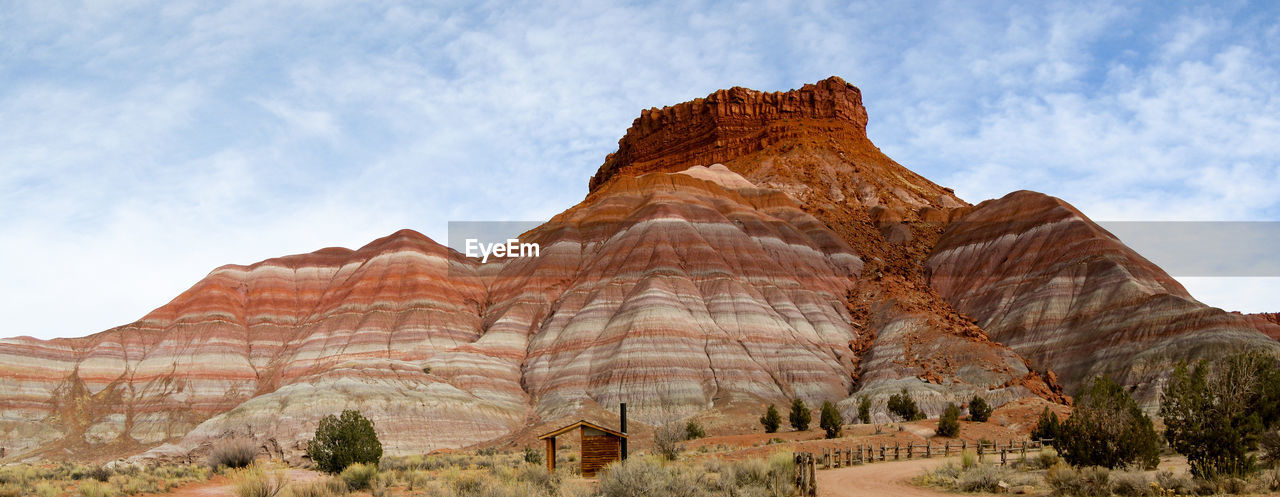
(1042, 278)
(740, 249)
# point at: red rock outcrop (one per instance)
(1042, 278)
(1266, 322)
(729, 124)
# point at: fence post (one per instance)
(928, 450)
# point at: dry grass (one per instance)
(254, 481)
(69, 479)
(236, 453)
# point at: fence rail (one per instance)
(806, 463)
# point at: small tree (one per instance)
(667, 438)
(693, 431)
(343, 440)
(800, 416)
(979, 410)
(1048, 427)
(831, 420)
(949, 423)
(771, 419)
(903, 406)
(1106, 428)
(864, 410)
(1215, 414)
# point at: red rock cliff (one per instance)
(728, 124)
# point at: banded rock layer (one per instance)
(1042, 278)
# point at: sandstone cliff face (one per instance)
(1045, 280)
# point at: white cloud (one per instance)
(156, 141)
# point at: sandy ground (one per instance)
(879, 479)
(222, 486)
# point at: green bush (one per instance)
(864, 410)
(1216, 413)
(979, 410)
(904, 407)
(1107, 429)
(358, 476)
(341, 441)
(1048, 427)
(830, 419)
(771, 419)
(800, 416)
(234, 453)
(949, 423)
(693, 431)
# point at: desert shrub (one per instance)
(254, 482)
(980, 478)
(538, 478)
(800, 416)
(1216, 413)
(1177, 484)
(329, 487)
(949, 423)
(904, 407)
(1048, 457)
(1270, 480)
(1048, 426)
(667, 438)
(979, 410)
(646, 476)
(968, 459)
(95, 488)
(532, 456)
(341, 441)
(46, 489)
(381, 484)
(771, 419)
(10, 490)
(1130, 483)
(693, 431)
(1082, 482)
(99, 473)
(864, 410)
(234, 453)
(1269, 442)
(358, 476)
(1107, 429)
(830, 420)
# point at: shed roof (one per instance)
(582, 423)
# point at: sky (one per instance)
(144, 144)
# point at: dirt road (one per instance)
(890, 478)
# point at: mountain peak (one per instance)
(728, 124)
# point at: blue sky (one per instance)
(146, 143)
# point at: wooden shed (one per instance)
(600, 446)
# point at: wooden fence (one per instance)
(806, 463)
